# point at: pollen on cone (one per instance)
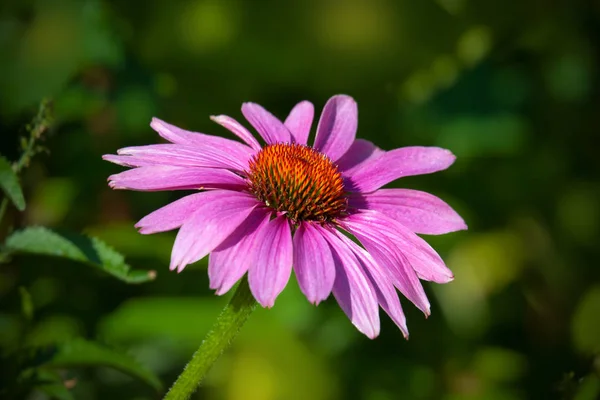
(298, 180)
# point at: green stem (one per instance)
(40, 124)
(229, 323)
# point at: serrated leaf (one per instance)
(39, 240)
(9, 182)
(91, 251)
(84, 353)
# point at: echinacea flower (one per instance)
(265, 209)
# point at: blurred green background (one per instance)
(511, 87)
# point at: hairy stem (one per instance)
(38, 126)
(229, 323)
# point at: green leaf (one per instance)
(51, 384)
(83, 353)
(39, 240)
(26, 303)
(91, 251)
(56, 391)
(585, 327)
(10, 184)
(182, 320)
(589, 388)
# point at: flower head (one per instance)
(265, 209)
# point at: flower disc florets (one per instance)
(298, 180)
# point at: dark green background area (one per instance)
(511, 87)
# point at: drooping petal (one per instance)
(420, 212)
(386, 292)
(238, 129)
(352, 289)
(360, 152)
(389, 256)
(266, 124)
(127, 161)
(270, 261)
(221, 212)
(313, 262)
(181, 155)
(398, 163)
(171, 216)
(337, 126)
(164, 177)
(229, 261)
(177, 135)
(300, 120)
(422, 257)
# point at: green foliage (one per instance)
(26, 303)
(586, 330)
(84, 353)
(38, 367)
(33, 357)
(589, 388)
(52, 385)
(56, 391)
(90, 251)
(9, 182)
(182, 319)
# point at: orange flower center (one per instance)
(298, 180)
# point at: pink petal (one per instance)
(360, 152)
(270, 261)
(127, 161)
(386, 292)
(300, 120)
(337, 126)
(394, 164)
(181, 136)
(228, 262)
(390, 257)
(171, 216)
(422, 257)
(181, 155)
(163, 177)
(420, 212)
(221, 212)
(238, 129)
(313, 262)
(352, 289)
(266, 124)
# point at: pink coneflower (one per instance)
(263, 209)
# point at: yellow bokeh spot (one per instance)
(207, 25)
(53, 37)
(585, 327)
(354, 26)
(419, 87)
(445, 69)
(453, 7)
(474, 44)
(254, 378)
(482, 265)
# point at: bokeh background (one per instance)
(511, 87)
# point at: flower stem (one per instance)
(229, 323)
